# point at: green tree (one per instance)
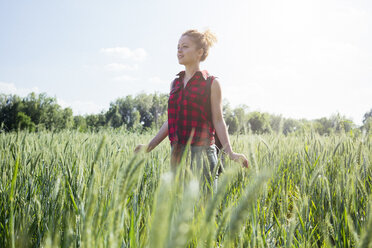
(159, 109)
(10, 106)
(32, 106)
(367, 121)
(143, 104)
(367, 125)
(114, 119)
(24, 122)
(49, 112)
(259, 122)
(367, 115)
(276, 123)
(341, 124)
(290, 126)
(124, 109)
(67, 121)
(96, 121)
(137, 125)
(323, 126)
(231, 121)
(80, 123)
(46, 113)
(142, 111)
(240, 113)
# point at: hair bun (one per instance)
(210, 37)
(203, 40)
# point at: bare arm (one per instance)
(220, 125)
(159, 137)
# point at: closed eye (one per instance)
(182, 47)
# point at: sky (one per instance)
(298, 59)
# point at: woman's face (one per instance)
(187, 51)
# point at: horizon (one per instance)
(103, 111)
(297, 59)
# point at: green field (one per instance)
(72, 189)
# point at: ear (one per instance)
(200, 52)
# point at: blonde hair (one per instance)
(202, 40)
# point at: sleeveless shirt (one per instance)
(187, 112)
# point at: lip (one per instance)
(180, 56)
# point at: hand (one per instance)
(140, 148)
(237, 157)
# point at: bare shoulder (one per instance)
(216, 89)
(216, 81)
(216, 85)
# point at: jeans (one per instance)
(204, 160)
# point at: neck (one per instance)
(191, 69)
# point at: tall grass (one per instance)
(73, 189)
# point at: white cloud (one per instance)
(10, 88)
(81, 107)
(125, 78)
(158, 84)
(138, 54)
(158, 80)
(297, 92)
(7, 88)
(117, 67)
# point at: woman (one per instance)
(189, 117)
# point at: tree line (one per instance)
(143, 112)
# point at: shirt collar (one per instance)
(203, 73)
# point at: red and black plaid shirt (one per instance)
(187, 111)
